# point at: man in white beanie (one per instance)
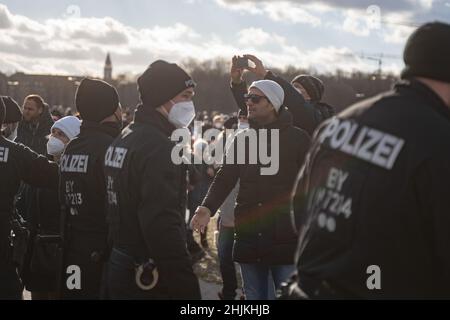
(264, 100)
(62, 132)
(39, 273)
(265, 241)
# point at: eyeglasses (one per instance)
(254, 98)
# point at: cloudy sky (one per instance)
(73, 37)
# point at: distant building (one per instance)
(107, 71)
(59, 91)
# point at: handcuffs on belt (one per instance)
(147, 275)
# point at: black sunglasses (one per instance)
(254, 98)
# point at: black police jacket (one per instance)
(147, 200)
(18, 163)
(82, 187)
(373, 200)
(263, 231)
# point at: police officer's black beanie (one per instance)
(161, 82)
(427, 52)
(2, 112)
(12, 110)
(313, 86)
(96, 100)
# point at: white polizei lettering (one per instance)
(341, 135)
(74, 163)
(82, 161)
(359, 140)
(394, 153)
(329, 130)
(4, 152)
(374, 146)
(374, 137)
(115, 157)
(347, 147)
(383, 150)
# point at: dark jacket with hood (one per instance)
(373, 200)
(33, 136)
(147, 202)
(262, 221)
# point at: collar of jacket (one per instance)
(42, 126)
(427, 94)
(91, 126)
(283, 120)
(149, 115)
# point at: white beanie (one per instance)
(272, 90)
(69, 125)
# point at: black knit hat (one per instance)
(161, 82)
(12, 110)
(427, 52)
(2, 111)
(313, 86)
(96, 100)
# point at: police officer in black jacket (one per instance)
(83, 189)
(373, 199)
(147, 194)
(17, 163)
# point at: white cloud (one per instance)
(355, 22)
(257, 37)
(391, 6)
(395, 30)
(280, 11)
(78, 46)
(5, 18)
(287, 12)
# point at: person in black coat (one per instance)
(33, 132)
(147, 193)
(83, 190)
(265, 241)
(40, 276)
(373, 199)
(17, 163)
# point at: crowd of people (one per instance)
(93, 206)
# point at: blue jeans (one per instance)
(227, 267)
(256, 277)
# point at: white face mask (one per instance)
(182, 114)
(55, 147)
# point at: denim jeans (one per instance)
(257, 282)
(227, 267)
